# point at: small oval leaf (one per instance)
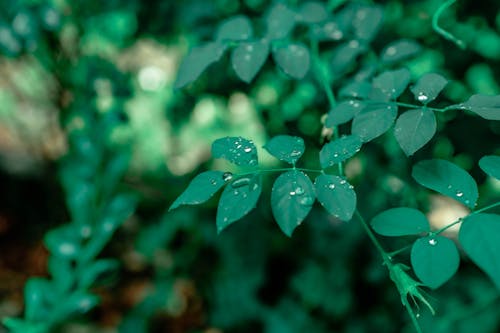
(343, 112)
(235, 29)
(286, 148)
(392, 83)
(339, 150)
(312, 12)
(400, 50)
(448, 179)
(293, 59)
(280, 21)
(428, 87)
(248, 58)
(401, 221)
(414, 129)
(479, 238)
(236, 150)
(292, 198)
(196, 61)
(237, 201)
(490, 165)
(200, 189)
(434, 260)
(336, 195)
(374, 120)
(487, 107)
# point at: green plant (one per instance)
(363, 104)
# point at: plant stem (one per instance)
(385, 256)
(460, 220)
(447, 35)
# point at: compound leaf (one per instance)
(292, 198)
(392, 83)
(479, 238)
(435, 260)
(236, 150)
(197, 60)
(339, 150)
(399, 50)
(428, 87)
(235, 29)
(448, 179)
(201, 188)
(293, 59)
(374, 120)
(238, 199)
(414, 129)
(343, 112)
(401, 221)
(490, 165)
(286, 148)
(248, 58)
(336, 195)
(487, 107)
(280, 21)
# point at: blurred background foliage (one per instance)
(62, 59)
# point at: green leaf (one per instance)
(336, 195)
(286, 148)
(236, 150)
(197, 60)
(95, 271)
(490, 165)
(327, 30)
(248, 58)
(344, 56)
(312, 12)
(435, 260)
(63, 241)
(367, 21)
(401, 221)
(448, 179)
(400, 50)
(392, 83)
(36, 292)
(293, 59)
(292, 198)
(280, 21)
(479, 238)
(356, 89)
(343, 112)
(238, 199)
(200, 189)
(428, 87)
(339, 150)
(414, 129)
(374, 120)
(487, 107)
(235, 29)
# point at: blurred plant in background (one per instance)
(96, 143)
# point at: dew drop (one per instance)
(213, 182)
(422, 97)
(343, 182)
(331, 186)
(236, 192)
(449, 186)
(240, 182)
(336, 155)
(227, 176)
(432, 241)
(299, 190)
(247, 149)
(225, 219)
(306, 201)
(292, 193)
(459, 194)
(417, 315)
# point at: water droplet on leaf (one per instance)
(459, 194)
(331, 186)
(432, 241)
(227, 176)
